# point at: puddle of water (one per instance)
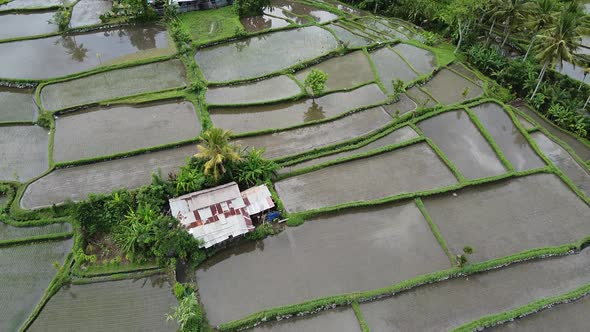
(75, 183)
(142, 302)
(422, 60)
(19, 4)
(63, 55)
(23, 151)
(342, 320)
(313, 268)
(574, 315)
(581, 150)
(17, 105)
(398, 136)
(8, 232)
(24, 25)
(450, 88)
(562, 159)
(409, 169)
(508, 217)
(261, 55)
(263, 22)
(299, 140)
(421, 98)
(513, 144)
(391, 67)
(348, 38)
(87, 12)
(275, 88)
(344, 72)
(402, 106)
(299, 9)
(27, 270)
(109, 130)
(446, 305)
(461, 69)
(461, 142)
(114, 84)
(282, 115)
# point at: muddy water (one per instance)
(421, 98)
(405, 170)
(282, 115)
(461, 142)
(23, 152)
(275, 88)
(445, 305)
(17, 105)
(76, 183)
(25, 273)
(348, 38)
(263, 22)
(88, 12)
(300, 9)
(114, 84)
(126, 305)
(8, 232)
(63, 55)
(344, 72)
(342, 320)
(513, 144)
(307, 261)
(450, 88)
(422, 60)
(105, 131)
(563, 160)
(18, 4)
(461, 69)
(24, 25)
(573, 316)
(581, 150)
(264, 54)
(391, 67)
(402, 106)
(299, 140)
(398, 136)
(525, 123)
(508, 217)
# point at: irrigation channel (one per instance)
(417, 199)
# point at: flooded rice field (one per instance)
(573, 316)
(109, 130)
(420, 97)
(458, 138)
(526, 124)
(422, 60)
(449, 88)
(287, 114)
(349, 39)
(409, 169)
(263, 22)
(88, 12)
(17, 105)
(8, 232)
(342, 320)
(26, 24)
(511, 141)
(75, 183)
(29, 4)
(390, 67)
(306, 261)
(564, 161)
(279, 87)
(23, 151)
(398, 136)
(114, 84)
(466, 72)
(297, 9)
(382, 28)
(449, 304)
(402, 106)
(344, 72)
(64, 55)
(299, 140)
(281, 50)
(25, 273)
(504, 218)
(126, 305)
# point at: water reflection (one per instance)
(314, 112)
(76, 51)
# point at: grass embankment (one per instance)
(212, 25)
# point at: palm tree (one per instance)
(512, 13)
(558, 43)
(543, 13)
(217, 151)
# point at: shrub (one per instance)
(261, 232)
(316, 82)
(61, 18)
(44, 120)
(254, 168)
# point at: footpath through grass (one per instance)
(207, 26)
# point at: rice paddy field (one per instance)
(414, 197)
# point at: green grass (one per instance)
(212, 25)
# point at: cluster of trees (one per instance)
(247, 8)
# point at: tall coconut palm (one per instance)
(558, 43)
(512, 13)
(543, 13)
(217, 151)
